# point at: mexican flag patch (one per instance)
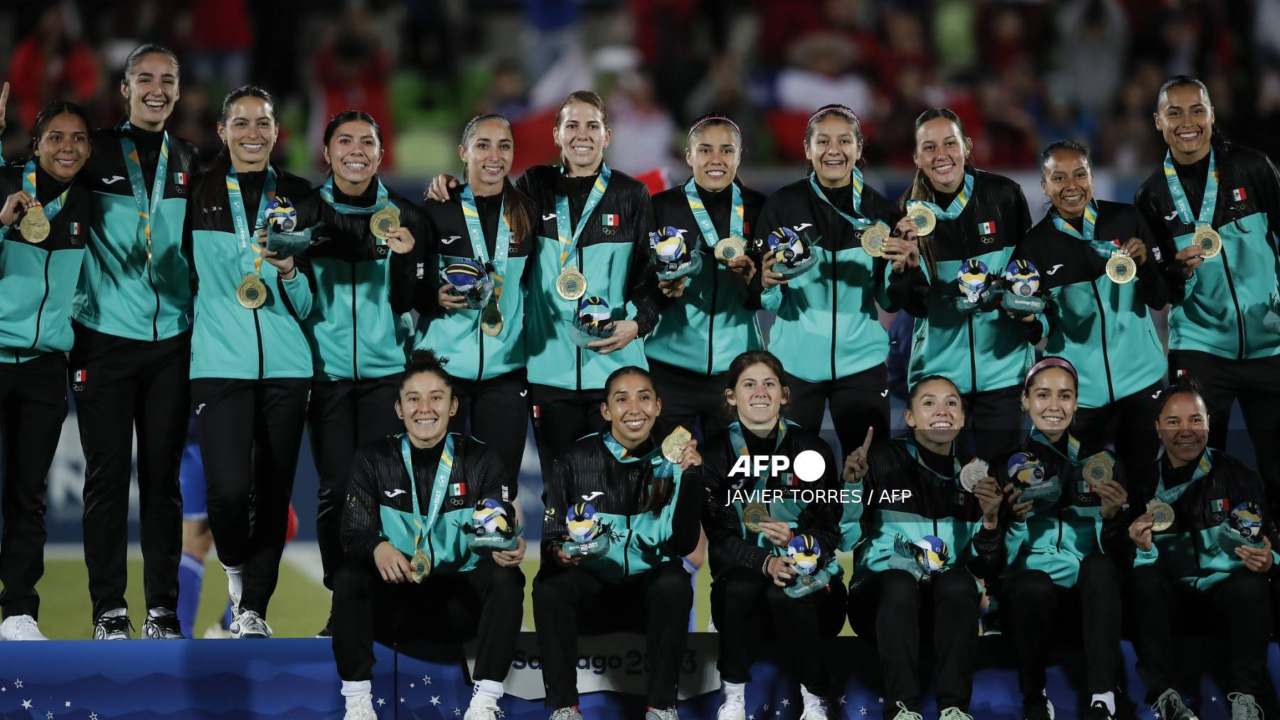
(608, 220)
(987, 228)
(457, 489)
(180, 178)
(1239, 194)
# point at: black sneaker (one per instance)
(1169, 706)
(327, 630)
(1098, 711)
(162, 624)
(113, 625)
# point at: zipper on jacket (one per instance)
(711, 333)
(973, 357)
(1106, 355)
(257, 329)
(577, 352)
(833, 317)
(48, 259)
(1235, 301)
(355, 327)
(1059, 530)
(626, 551)
(155, 318)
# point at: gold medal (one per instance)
(673, 447)
(421, 566)
(923, 219)
(730, 248)
(1161, 515)
(1121, 268)
(384, 221)
(491, 318)
(873, 238)
(1208, 240)
(753, 514)
(1098, 469)
(252, 292)
(34, 225)
(571, 285)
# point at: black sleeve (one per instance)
(309, 207)
(909, 291)
(1267, 183)
(1021, 213)
(403, 290)
(1161, 239)
(1115, 532)
(725, 544)
(426, 287)
(492, 479)
(554, 494)
(1153, 286)
(642, 283)
(361, 526)
(822, 519)
(988, 553)
(685, 525)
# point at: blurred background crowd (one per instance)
(1020, 73)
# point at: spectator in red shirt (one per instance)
(351, 71)
(51, 63)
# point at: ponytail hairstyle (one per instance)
(519, 212)
(921, 189)
(587, 97)
(1217, 139)
(135, 56)
(212, 182)
(713, 120)
(836, 110)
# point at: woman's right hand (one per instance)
(15, 205)
(779, 570)
(392, 565)
(1140, 531)
(450, 300)
(856, 465)
(438, 190)
(770, 278)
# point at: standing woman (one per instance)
(490, 223)
(358, 326)
(250, 363)
(1064, 546)
(750, 564)
(129, 364)
(1098, 311)
(828, 333)
(45, 218)
(710, 318)
(959, 214)
(922, 551)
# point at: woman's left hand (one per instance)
(690, 457)
(624, 331)
(775, 531)
(510, 558)
(400, 240)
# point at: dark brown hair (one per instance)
(920, 188)
(740, 365)
(212, 183)
(662, 488)
(519, 211)
(588, 97)
(53, 110)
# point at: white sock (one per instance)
(735, 693)
(1107, 698)
(810, 700)
(356, 688)
(489, 689)
(235, 584)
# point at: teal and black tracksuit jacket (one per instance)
(613, 254)
(983, 350)
(455, 335)
(827, 326)
(714, 321)
(1101, 327)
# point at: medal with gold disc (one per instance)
(571, 284)
(1161, 515)
(754, 514)
(675, 443)
(1121, 268)
(252, 292)
(382, 222)
(421, 563)
(730, 248)
(34, 225)
(1098, 468)
(873, 239)
(1208, 240)
(922, 219)
(491, 323)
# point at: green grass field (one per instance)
(299, 607)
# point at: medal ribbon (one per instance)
(502, 246)
(241, 220)
(915, 453)
(326, 193)
(29, 186)
(569, 242)
(855, 185)
(700, 215)
(1170, 495)
(1180, 202)
(138, 183)
(438, 485)
(1073, 446)
(957, 204)
(661, 466)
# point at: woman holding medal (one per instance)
(845, 224)
(483, 237)
(45, 221)
(754, 575)
(706, 319)
(129, 364)
(1213, 208)
(361, 253)
(1207, 537)
(1098, 304)
(251, 365)
(1065, 540)
(622, 509)
(967, 223)
(931, 526)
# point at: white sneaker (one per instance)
(248, 625)
(814, 711)
(732, 709)
(20, 627)
(360, 708)
(482, 707)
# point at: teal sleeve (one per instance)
(771, 298)
(1146, 557)
(298, 289)
(1014, 538)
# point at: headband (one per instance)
(1045, 364)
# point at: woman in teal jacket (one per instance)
(250, 363)
(359, 324)
(45, 218)
(1065, 544)
(965, 216)
(827, 332)
(487, 225)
